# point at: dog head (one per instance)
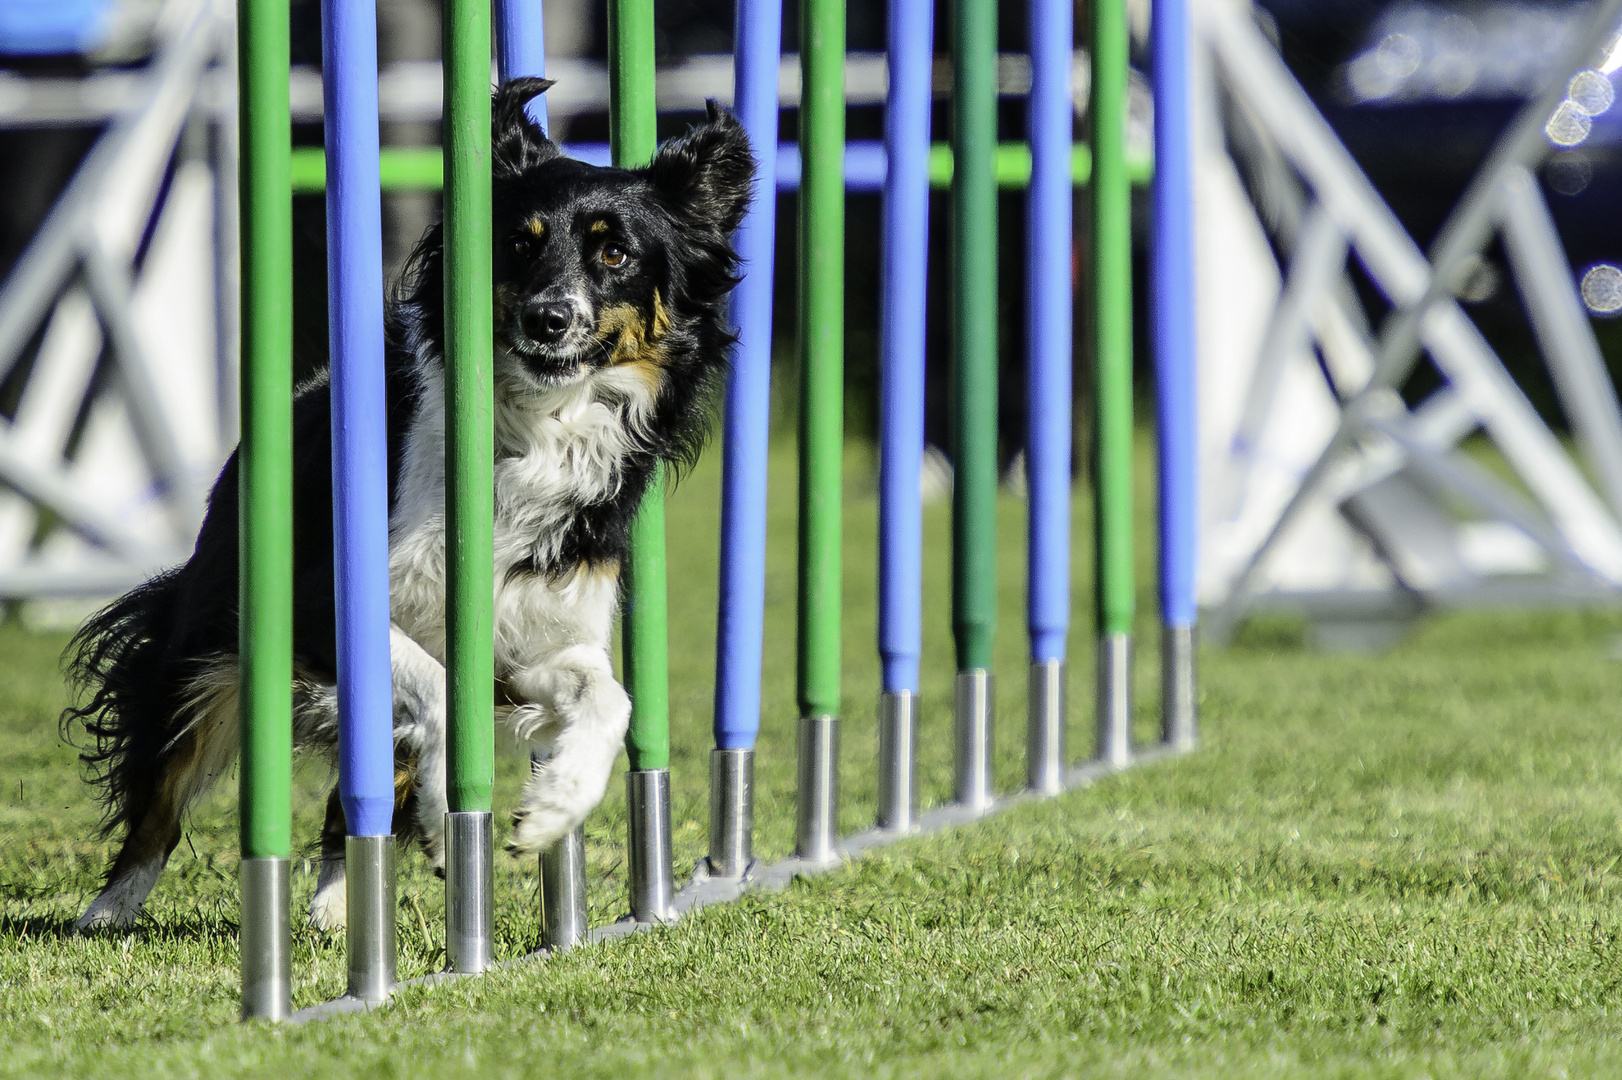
(618, 276)
(597, 267)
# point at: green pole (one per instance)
(822, 415)
(469, 489)
(1112, 364)
(974, 385)
(822, 350)
(632, 135)
(469, 435)
(266, 456)
(265, 507)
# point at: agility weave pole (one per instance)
(1111, 225)
(974, 391)
(901, 404)
(1172, 290)
(354, 239)
(632, 133)
(821, 350)
(266, 507)
(360, 526)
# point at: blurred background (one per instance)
(118, 342)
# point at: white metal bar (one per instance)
(45, 265)
(1550, 292)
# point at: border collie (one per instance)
(611, 341)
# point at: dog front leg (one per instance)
(587, 713)
(329, 906)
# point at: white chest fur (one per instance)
(555, 452)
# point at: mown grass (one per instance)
(1393, 865)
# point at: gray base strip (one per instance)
(704, 890)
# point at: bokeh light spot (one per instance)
(1602, 289)
(1591, 92)
(1569, 125)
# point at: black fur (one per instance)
(132, 664)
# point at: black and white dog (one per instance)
(611, 341)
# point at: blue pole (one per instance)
(521, 47)
(1048, 299)
(1173, 332)
(360, 489)
(901, 401)
(901, 383)
(740, 629)
(759, 38)
(359, 417)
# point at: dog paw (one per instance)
(101, 918)
(329, 908)
(117, 908)
(536, 830)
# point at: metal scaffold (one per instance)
(117, 347)
(1324, 493)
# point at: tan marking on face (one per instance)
(535, 227)
(623, 327)
(661, 317)
(598, 227)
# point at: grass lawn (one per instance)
(1397, 865)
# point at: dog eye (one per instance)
(522, 247)
(614, 256)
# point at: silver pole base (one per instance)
(816, 818)
(1045, 755)
(898, 761)
(266, 940)
(1179, 700)
(732, 812)
(1115, 699)
(469, 890)
(647, 794)
(563, 892)
(369, 882)
(973, 712)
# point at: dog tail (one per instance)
(118, 669)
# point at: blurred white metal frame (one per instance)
(117, 335)
(1324, 493)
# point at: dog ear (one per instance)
(707, 173)
(517, 142)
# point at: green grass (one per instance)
(1394, 865)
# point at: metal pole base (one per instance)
(1179, 701)
(369, 881)
(732, 812)
(898, 761)
(973, 711)
(469, 890)
(816, 819)
(563, 892)
(647, 794)
(266, 940)
(1115, 699)
(1045, 756)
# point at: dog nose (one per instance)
(547, 323)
